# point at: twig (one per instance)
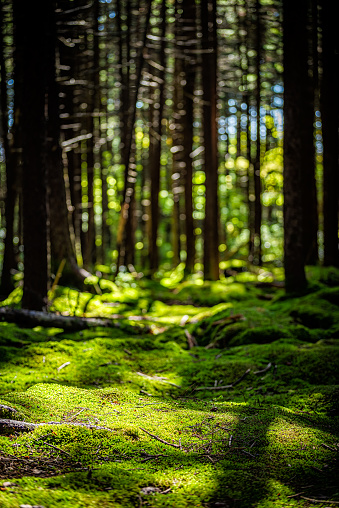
(150, 404)
(226, 386)
(55, 447)
(269, 365)
(319, 500)
(63, 365)
(7, 408)
(248, 453)
(146, 393)
(13, 456)
(152, 457)
(329, 447)
(74, 416)
(157, 378)
(159, 438)
(224, 428)
(295, 495)
(166, 491)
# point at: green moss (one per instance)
(283, 416)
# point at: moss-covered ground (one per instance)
(161, 429)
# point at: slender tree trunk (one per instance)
(189, 16)
(61, 243)
(130, 175)
(155, 149)
(209, 83)
(34, 151)
(329, 104)
(250, 184)
(294, 56)
(309, 190)
(8, 264)
(257, 163)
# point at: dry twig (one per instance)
(159, 438)
(226, 386)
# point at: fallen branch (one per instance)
(7, 408)
(324, 445)
(63, 365)
(226, 386)
(295, 495)
(19, 426)
(157, 378)
(264, 370)
(13, 456)
(55, 447)
(159, 438)
(33, 318)
(324, 501)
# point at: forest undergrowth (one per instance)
(221, 394)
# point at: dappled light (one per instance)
(169, 256)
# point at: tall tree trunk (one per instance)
(155, 149)
(130, 175)
(61, 243)
(8, 264)
(189, 16)
(33, 153)
(257, 163)
(209, 83)
(329, 104)
(294, 59)
(309, 190)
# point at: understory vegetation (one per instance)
(205, 394)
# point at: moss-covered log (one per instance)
(31, 319)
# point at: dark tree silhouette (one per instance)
(35, 233)
(295, 17)
(209, 83)
(329, 104)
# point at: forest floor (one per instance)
(218, 394)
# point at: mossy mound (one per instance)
(143, 419)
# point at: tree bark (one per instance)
(61, 243)
(155, 149)
(257, 164)
(189, 16)
(329, 104)
(34, 151)
(294, 19)
(209, 83)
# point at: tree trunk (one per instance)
(33, 154)
(257, 164)
(61, 243)
(9, 263)
(130, 173)
(155, 149)
(294, 20)
(209, 83)
(329, 105)
(189, 16)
